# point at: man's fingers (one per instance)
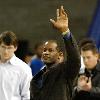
(57, 13)
(52, 21)
(62, 8)
(61, 11)
(89, 80)
(64, 13)
(82, 77)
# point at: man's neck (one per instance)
(49, 65)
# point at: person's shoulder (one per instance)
(20, 64)
(36, 61)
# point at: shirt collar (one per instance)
(12, 60)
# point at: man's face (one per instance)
(6, 52)
(90, 59)
(50, 53)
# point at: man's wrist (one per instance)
(66, 32)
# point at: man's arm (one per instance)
(73, 57)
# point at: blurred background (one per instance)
(29, 19)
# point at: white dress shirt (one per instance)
(82, 69)
(15, 77)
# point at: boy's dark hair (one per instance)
(85, 41)
(90, 46)
(8, 38)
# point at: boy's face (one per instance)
(90, 59)
(6, 52)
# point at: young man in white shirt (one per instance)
(15, 75)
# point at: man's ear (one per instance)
(97, 55)
(15, 48)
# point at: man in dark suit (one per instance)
(56, 80)
(88, 85)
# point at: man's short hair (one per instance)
(8, 38)
(90, 47)
(54, 41)
(85, 41)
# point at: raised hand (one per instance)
(61, 22)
